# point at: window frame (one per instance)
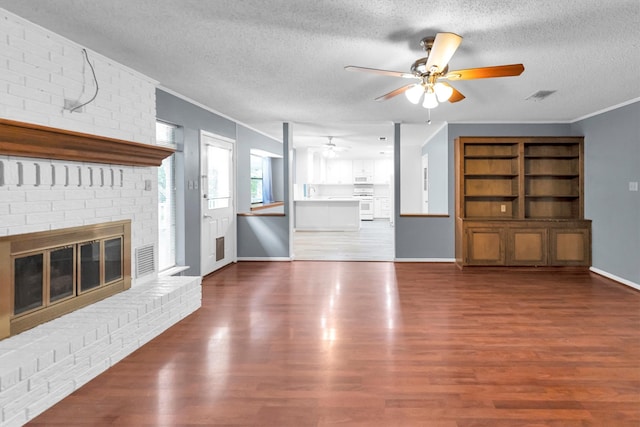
(167, 254)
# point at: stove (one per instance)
(365, 194)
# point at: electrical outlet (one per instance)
(70, 104)
(633, 186)
(503, 208)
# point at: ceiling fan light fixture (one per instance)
(430, 99)
(329, 154)
(414, 93)
(443, 91)
(434, 67)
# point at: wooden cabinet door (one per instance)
(570, 246)
(485, 246)
(527, 246)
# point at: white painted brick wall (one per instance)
(41, 366)
(38, 71)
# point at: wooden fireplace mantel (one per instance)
(30, 140)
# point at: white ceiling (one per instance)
(266, 62)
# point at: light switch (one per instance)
(633, 186)
(503, 208)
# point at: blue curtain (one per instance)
(267, 193)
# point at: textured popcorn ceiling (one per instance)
(265, 62)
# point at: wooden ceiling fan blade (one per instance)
(395, 92)
(486, 72)
(444, 46)
(456, 95)
(382, 72)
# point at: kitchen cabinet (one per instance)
(363, 168)
(382, 171)
(339, 171)
(381, 207)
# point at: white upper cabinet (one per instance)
(339, 171)
(382, 170)
(363, 167)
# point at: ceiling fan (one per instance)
(433, 69)
(330, 149)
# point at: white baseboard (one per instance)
(449, 260)
(264, 259)
(615, 278)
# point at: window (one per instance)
(256, 179)
(218, 165)
(166, 135)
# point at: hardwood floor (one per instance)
(381, 344)
(373, 242)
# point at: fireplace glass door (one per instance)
(58, 267)
(112, 260)
(61, 273)
(47, 274)
(28, 272)
(89, 265)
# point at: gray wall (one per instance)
(192, 119)
(278, 182)
(252, 237)
(261, 237)
(612, 156)
(612, 160)
(249, 139)
(433, 238)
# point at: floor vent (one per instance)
(220, 248)
(145, 260)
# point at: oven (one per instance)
(366, 208)
(364, 193)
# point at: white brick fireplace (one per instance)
(39, 71)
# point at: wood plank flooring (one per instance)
(381, 344)
(373, 242)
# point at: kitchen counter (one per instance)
(327, 214)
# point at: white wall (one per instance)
(413, 138)
(411, 179)
(38, 71)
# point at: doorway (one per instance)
(218, 236)
(343, 194)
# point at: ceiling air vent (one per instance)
(539, 95)
(145, 260)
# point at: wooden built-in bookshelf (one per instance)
(514, 198)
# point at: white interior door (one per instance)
(218, 237)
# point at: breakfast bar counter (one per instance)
(327, 214)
